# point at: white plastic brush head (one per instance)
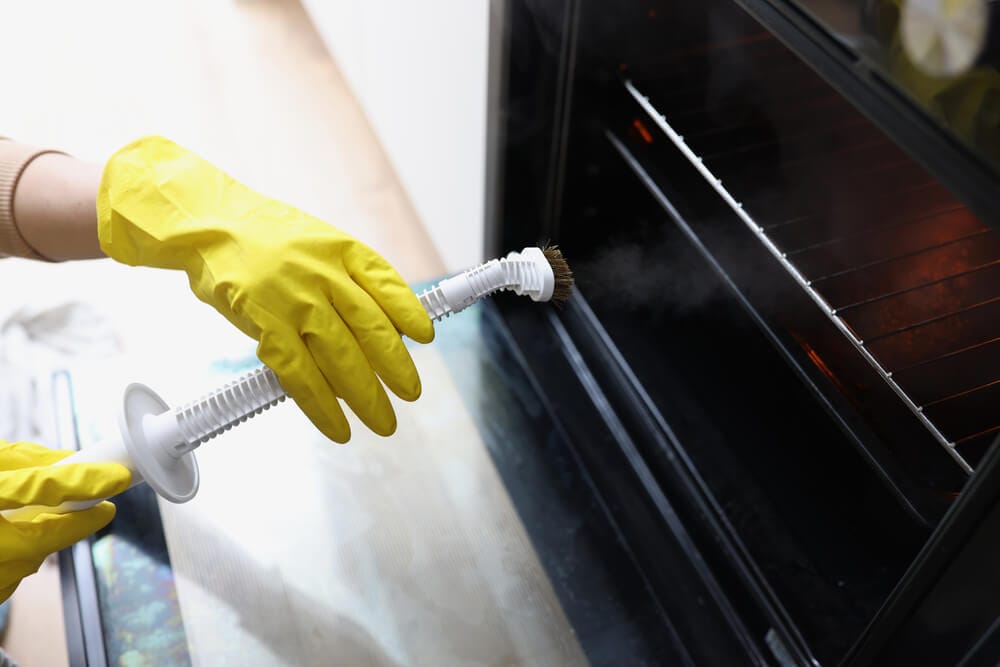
(540, 274)
(532, 275)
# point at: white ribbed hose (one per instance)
(157, 442)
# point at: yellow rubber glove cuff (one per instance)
(326, 310)
(27, 477)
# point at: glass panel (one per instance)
(468, 537)
(943, 55)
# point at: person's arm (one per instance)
(327, 311)
(47, 204)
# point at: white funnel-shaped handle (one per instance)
(174, 478)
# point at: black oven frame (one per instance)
(932, 615)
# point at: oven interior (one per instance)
(910, 275)
(810, 317)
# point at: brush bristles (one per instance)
(563, 274)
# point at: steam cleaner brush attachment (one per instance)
(157, 443)
(526, 273)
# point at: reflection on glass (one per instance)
(940, 53)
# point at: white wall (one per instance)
(419, 69)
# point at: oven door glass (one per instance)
(941, 55)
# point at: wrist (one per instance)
(54, 207)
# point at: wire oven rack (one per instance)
(908, 274)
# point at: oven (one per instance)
(780, 371)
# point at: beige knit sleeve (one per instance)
(14, 159)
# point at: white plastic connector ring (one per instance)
(175, 479)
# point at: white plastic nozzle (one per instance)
(526, 273)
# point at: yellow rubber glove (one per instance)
(326, 309)
(27, 477)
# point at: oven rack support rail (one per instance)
(737, 207)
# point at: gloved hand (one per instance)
(27, 477)
(326, 310)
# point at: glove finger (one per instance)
(377, 277)
(284, 353)
(52, 485)
(48, 533)
(347, 370)
(378, 339)
(7, 591)
(15, 571)
(14, 455)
